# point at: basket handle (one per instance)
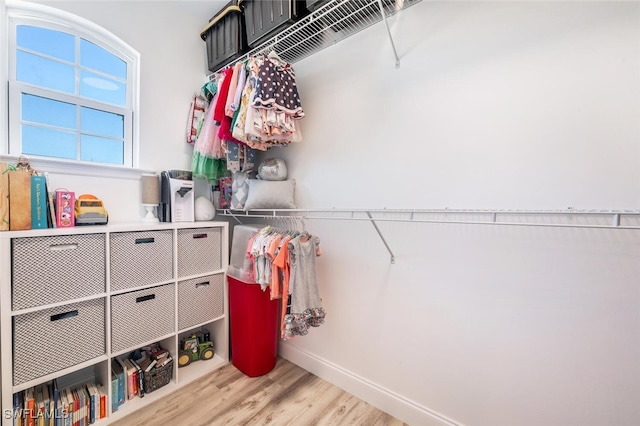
(145, 298)
(64, 315)
(202, 284)
(145, 240)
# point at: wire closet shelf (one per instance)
(332, 22)
(565, 218)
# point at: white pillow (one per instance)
(266, 194)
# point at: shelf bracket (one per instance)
(375, 225)
(393, 46)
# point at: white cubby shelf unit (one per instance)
(74, 299)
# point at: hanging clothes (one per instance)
(208, 161)
(276, 88)
(285, 261)
(306, 305)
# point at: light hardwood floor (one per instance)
(288, 395)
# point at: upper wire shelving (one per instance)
(332, 22)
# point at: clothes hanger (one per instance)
(274, 57)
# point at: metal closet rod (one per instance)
(410, 216)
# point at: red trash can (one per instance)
(253, 316)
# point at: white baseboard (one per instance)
(399, 407)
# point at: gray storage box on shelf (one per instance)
(140, 258)
(264, 18)
(200, 300)
(199, 251)
(53, 339)
(225, 37)
(142, 316)
(53, 269)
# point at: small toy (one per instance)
(89, 210)
(195, 347)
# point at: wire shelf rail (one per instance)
(565, 218)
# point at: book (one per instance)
(64, 403)
(88, 404)
(114, 391)
(140, 378)
(131, 385)
(159, 354)
(57, 415)
(38, 202)
(150, 366)
(166, 361)
(47, 403)
(76, 406)
(119, 372)
(94, 405)
(144, 363)
(64, 203)
(4, 196)
(39, 420)
(17, 409)
(19, 201)
(30, 406)
(70, 405)
(125, 378)
(103, 402)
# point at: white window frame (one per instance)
(25, 13)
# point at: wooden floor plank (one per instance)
(288, 395)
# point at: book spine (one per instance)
(94, 403)
(65, 209)
(125, 382)
(140, 378)
(19, 201)
(30, 404)
(131, 386)
(38, 202)
(56, 400)
(114, 392)
(103, 402)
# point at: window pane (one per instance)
(102, 89)
(101, 150)
(49, 42)
(44, 72)
(48, 142)
(49, 112)
(92, 56)
(101, 123)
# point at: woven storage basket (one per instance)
(158, 377)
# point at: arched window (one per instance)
(73, 89)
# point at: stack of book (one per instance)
(27, 203)
(47, 405)
(128, 374)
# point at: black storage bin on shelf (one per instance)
(263, 18)
(225, 36)
(158, 377)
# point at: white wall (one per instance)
(523, 105)
(506, 105)
(167, 36)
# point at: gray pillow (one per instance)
(265, 194)
(239, 190)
